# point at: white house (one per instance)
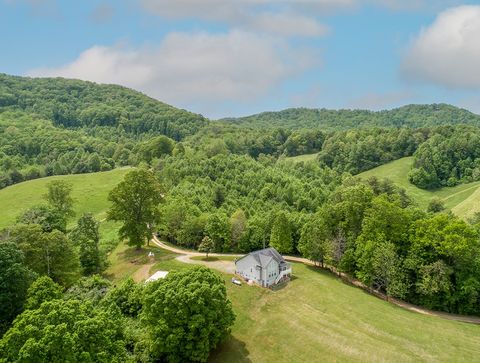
(265, 267)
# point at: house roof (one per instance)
(263, 257)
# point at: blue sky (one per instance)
(237, 57)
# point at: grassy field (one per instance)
(461, 199)
(316, 317)
(89, 192)
(213, 258)
(299, 158)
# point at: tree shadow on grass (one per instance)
(232, 351)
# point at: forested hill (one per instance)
(56, 126)
(413, 116)
(73, 104)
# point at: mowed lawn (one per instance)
(300, 158)
(90, 193)
(318, 318)
(462, 199)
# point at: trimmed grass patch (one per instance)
(213, 258)
(90, 193)
(316, 317)
(125, 261)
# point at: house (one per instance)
(265, 267)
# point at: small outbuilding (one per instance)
(265, 267)
(157, 275)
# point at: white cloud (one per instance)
(193, 68)
(448, 51)
(288, 24)
(414, 5)
(279, 17)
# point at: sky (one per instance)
(225, 58)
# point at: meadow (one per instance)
(317, 317)
(89, 192)
(461, 199)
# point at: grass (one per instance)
(316, 317)
(126, 261)
(300, 158)
(89, 192)
(214, 258)
(461, 199)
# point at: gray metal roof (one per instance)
(263, 257)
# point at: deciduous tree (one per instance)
(135, 203)
(187, 315)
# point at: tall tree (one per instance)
(59, 196)
(238, 222)
(135, 203)
(50, 254)
(15, 278)
(315, 243)
(281, 236)
(87, 237)
(187, 314)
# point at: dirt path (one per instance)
(221, 265)
(142, 273)
(185, 257)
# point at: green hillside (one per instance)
(407, 116)
(75, 103)
(317, 315)
(89, 192)
(461, 199)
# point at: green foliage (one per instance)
(50, 254)
(15, 278)
(218, 230)
(135, 203)
(238, 222)
(413, 116)
(315, 241)
(127, 297)
(42, 289)
(447, 159)
(65, 331)
(156, 148)
(59, 197)
(206, 245)
(91, 288)
(436, 205)
(87, 237)
(45, 216)
(75, 104)
(59, 126)
(205, 318)
(281, 236)
(201, 194)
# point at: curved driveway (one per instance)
(228, 267)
